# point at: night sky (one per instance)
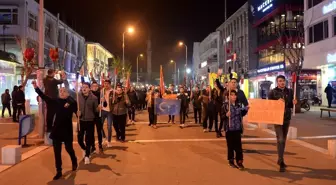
(168, 21)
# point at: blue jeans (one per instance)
(109, 117)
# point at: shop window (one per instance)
(32, 21)
(318, 32)
(335, 25)
(312, 3)
(9, 16)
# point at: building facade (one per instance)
(19, 23)
(237, 43)
(205, 56)
(320, 38)
(279, 25)
(97, 58)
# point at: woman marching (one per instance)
(62, 130)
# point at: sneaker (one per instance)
(109, 145)
(57, 176)
(218, 135)
(183, 125)
(154, 126)
(205, 130)
(87, 160)
(232, 164)
(283, 163)
(133, 122)
(129, 121)
(93, 151)
(282, 167)
(240, 165)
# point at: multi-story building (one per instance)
(279, 24)
(97, 58)
(19, 23)
(320, 39)
(205, 56)
(237, 44)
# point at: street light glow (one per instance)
(141, 55)
(188, 70)
(181, 43)
(171, 61)
(130, 30)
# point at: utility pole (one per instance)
(40, 72)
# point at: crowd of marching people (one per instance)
(220, 109)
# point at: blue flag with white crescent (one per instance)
(167, 106)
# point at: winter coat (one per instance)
(132, 95)
(287, 95)
(5, 98)
(184, 100)
(329, 91)
(50, 86)
(236, 118)
(20, 97)
(197, 103)
(62, 129)
(88, 106)
(120, 105)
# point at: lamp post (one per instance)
(129, 30)
(141, 55)
(175, 78)
(186, 64)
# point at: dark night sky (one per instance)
(168, 21)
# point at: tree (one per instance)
(292, 46)
(118, 64)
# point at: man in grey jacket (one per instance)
(88, 106)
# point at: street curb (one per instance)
(25, 156)
(297, 141)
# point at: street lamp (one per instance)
(188, 70)
(186, 64)
(129, 30)
(172, 61)
(141, 55)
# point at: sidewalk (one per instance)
(184, 162)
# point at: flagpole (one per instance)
(77, 98)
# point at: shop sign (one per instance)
(272, 68)
(331, 58)
(7, 68)
(265, 5)
(329, 8)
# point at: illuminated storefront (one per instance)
(262, 80)
(7, 75)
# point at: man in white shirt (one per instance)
(106, 112)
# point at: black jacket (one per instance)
(184, 100)
(50, 86)
(62, 129)
(287, 95)
(197, 103)
(132, 95)
(20, 97)
(5, 98)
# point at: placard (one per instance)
(266, 111)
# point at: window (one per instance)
(9, 16)
(312, 3)
(32, 21)
(335, 25)
(47, 31)
(318, 32)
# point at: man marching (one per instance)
(282, 93)
(88, 106)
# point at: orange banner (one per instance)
(266, 111)
(170, 96)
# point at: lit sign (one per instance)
(329, 8)
(265, 5)
(228, 39)
(271, 68)
(203, 64)
(331, 58)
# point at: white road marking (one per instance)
(318, 137)
(9, 123)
